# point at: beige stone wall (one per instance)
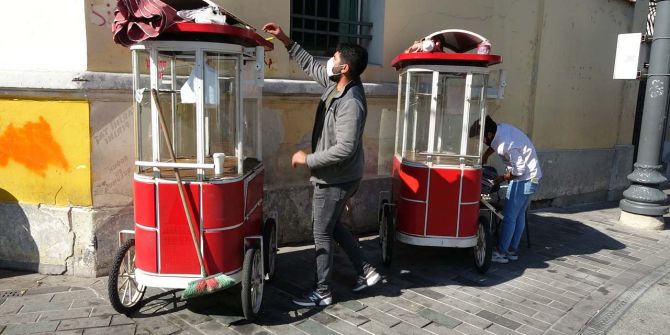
(287, 127)
(558, 56)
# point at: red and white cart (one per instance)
(435, 197)
(208, 82)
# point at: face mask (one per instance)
(330, 69)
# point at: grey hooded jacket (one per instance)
(337, 137)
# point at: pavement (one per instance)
(582, 274)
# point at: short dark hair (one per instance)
(489, 127)
(355, 56)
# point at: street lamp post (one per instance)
(644, 203)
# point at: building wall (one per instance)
(46, 36)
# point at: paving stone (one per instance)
(121, 319)
(548, 318)
(528, 330)
(409, 317)
(215, 328)
(157, 326)
(70, 332)
(286, 329)
(67, 314)
(375, 327)
(336, 324)
(353, 305)
(406, 328)
(19, 318)
(76, 295)
(527, 320)
(440, 329)
(433, 304)
(96, 321)
(347, 315)
(6, 309)
(113, 330)
(504, 303)
(594, 273)
(439, 318)
(500, 330)
(89, 303)
(44, 307)
(405, 304)
(468, 318)
(45, 290)
(103, 310)
(379, 316)
(31, 328)
(429, 293)
(470, 329)
(499, 319)
(312, 327)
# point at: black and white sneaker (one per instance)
(314, 298)
(370, 278)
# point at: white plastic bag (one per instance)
(207, 14)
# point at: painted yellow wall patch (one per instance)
(45, 150)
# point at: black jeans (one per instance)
(327, 206)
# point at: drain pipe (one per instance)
(644, 203)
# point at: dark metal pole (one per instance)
(644, 197)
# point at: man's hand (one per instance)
(276, 31)
(505, 177)
(299, 158)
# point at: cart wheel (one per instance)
(483, 251)
(252, 283)
(270, 248)
(387, 234)
(123, 290)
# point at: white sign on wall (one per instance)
(627, 56)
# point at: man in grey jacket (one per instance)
(336, 162)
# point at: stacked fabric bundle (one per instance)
(138, 20)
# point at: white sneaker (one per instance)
(370, 278)
(499, 258)
(512, 256)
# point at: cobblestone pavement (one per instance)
(579, 275)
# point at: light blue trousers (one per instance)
(514, 221)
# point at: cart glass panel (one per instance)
(477, 111)
(418, 114)
(174, 70)
(400, 117)
(251, 127)
(142, 100)
(449, 118)
(221, 111)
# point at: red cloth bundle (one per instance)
(138, 20)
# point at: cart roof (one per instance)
(444, 58)
(457, 40)
(189, 31)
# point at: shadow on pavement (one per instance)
(417, 268)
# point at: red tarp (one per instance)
(138, 20)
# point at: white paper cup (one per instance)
(218, 157)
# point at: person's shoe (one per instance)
(513, 256)
(370, 278)
(314, 298)
(499, 258)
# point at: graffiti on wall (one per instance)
(102, 12)
(33, 146)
